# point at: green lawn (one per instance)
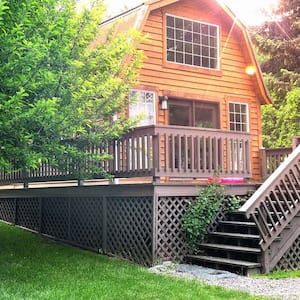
(34, 268)
(281, 275)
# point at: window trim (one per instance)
(217, 69)
(154, 107)
(192, 105)
(247, 116)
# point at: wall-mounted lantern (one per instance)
(163, 100)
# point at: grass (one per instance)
(34, 268)
(280, 275)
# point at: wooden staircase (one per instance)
(254, 239)
(234, 246)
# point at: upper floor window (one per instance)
(193, 43)
(142, 106)
(238, 117)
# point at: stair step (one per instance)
(238, 223)
(224, 261)
(236, 235)
(231, 248)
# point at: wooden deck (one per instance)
(161, 152)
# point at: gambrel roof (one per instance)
(137, 16)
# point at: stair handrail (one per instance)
(252, 203)
(259, 206)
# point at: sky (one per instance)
(248, 11)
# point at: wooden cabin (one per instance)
(200, 90)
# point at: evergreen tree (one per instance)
(278, 45)
(57, 92)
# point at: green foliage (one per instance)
(201, 212)
(277, 44)
(59, 89)
(283, 123)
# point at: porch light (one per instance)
(163, 100)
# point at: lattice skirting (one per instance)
(118, 225)
(143, 229)
(170, 241)
(291, 259)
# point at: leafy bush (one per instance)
(201, 212)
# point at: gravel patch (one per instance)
(284, 289)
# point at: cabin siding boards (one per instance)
(230, 83)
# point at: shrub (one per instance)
(201, 212)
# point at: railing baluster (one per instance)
(204, 155)
(210, 153)
(214, 163)
(118, 158)
(179, 152)
(149, 152)
(288, 191)
(185, 156)
(172, 141)
(269, 212)
(198, 153)
(167, 153)
(138, 153)
(227, 158)
(158, 152)
(262, 214)
(143, 153)
(192, 154)
(275, 210)
(133, 156)
(283, 211)
(260, 226)
(293, 186)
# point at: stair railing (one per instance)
(274, 205)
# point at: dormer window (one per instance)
(190, 42)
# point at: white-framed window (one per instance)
(238, 117)
(191, 42)
(142, 106)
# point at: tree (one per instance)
(278, 45)
(58, 90)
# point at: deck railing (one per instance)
(184, 152)
(276, 203)
(160, 151)
(272, 158)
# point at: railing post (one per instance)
(264, 171)
(112, 162)
(295, 142)
(156, 158)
